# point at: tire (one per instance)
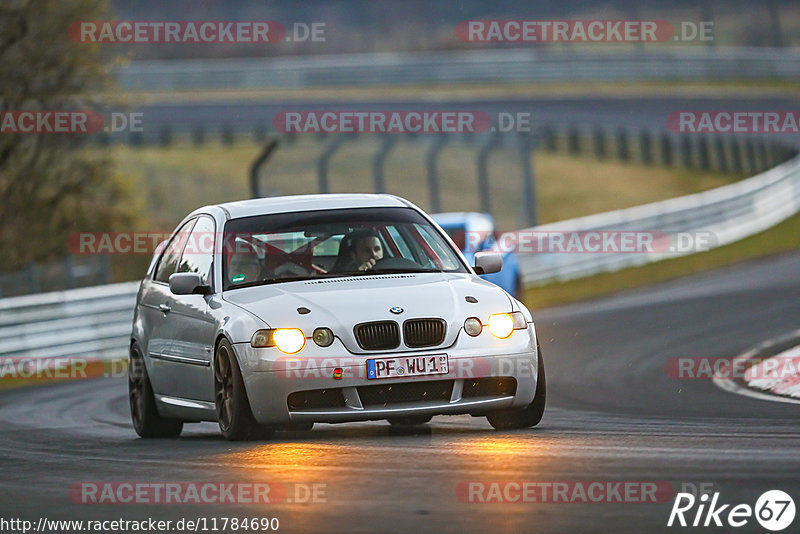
(236, 421)
(410, 420)
(144, 414)
(525, 417)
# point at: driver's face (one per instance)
(369, 248)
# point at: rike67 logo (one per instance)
(774, 510)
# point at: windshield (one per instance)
(332, 243)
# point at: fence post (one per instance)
(378, 162)
(322, 163)
(666, 150)
(198, 135)
(702, 152)
(165, 136)
(686, 151)
(69, 274)
(104, 268)
(599, 136)
(33, 278)
(483, 172)
(549, 135)
(623, 152)
(255, 167)
(433, 178)
(573, 140)
(736, 155)
(722, 156)
(529, 212)
(226, 135)
(646, 146)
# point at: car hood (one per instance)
(342, 303)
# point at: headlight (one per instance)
(323, 337)
(473, 326)
(501, 325)
(288, 340)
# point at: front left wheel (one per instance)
(147, 422)
(236, 421)
(531, 414)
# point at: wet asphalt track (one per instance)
(613, 414)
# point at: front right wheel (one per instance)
(531, 414)
(236, 421)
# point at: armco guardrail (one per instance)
(94, 321)
(727, 213)
(463, 66)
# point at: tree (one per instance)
(50, 186)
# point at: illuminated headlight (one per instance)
(323, 337)
(288, 340)
(473, 326)
(501, 325)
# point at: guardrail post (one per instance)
(323, 184)
(483, 173)
(431, 156)
(529, 213)
(646, 146)
(599, 136)
(255, 168)
(623, 150)
(666, 150)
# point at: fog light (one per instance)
(473, 326)
(323, 337)
(501, 325)
(289, 340)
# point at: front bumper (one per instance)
(271, 378)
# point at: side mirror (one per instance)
(188, 284)
(486, 262)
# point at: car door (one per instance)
(155, 307)
(191, 325)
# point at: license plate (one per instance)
(402, 366)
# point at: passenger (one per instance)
(244, 267)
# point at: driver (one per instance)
(360, 251)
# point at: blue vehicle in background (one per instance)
(474, 232)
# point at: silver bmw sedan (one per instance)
(281, 312)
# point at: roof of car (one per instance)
(287, 204)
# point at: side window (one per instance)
(429, 235)
(400, 242)
(198, 254)
(172, 252)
